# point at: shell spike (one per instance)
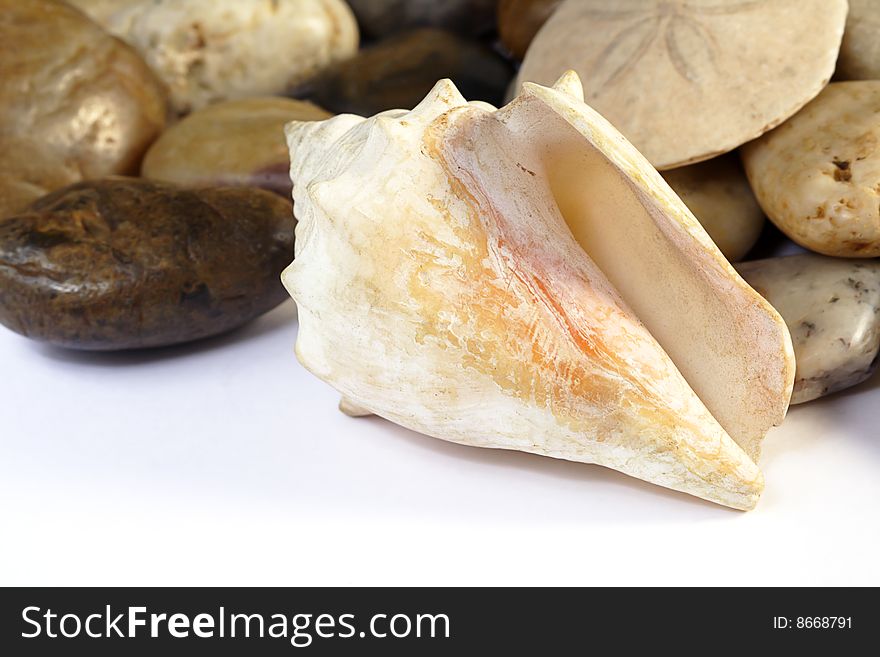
(569, 83)
(443, 97)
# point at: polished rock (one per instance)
(74, 102)
(718, 194)
(520, 20)
(29, 170)
(101, 11)
(832, 308)
(239, 142)
(127, 263)
(381, 18)
(817, 176)
(398, 72)
(860, 51)
(207, 51)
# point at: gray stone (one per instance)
(832, 308)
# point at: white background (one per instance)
(226, 463)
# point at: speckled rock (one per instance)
(860, 51)
(207, 51)
(832, 308)
(239, 142)
(381, 18)
(817, 176)
(399, 72)
(520, 20)
(718, 194)
(128, 263)
(74, 102)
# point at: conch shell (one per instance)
(523, 279)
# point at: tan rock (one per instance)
(817, 176)
(207, 51)
(100, 11)
(238, 142)
(74, 102)
(28, 171)
(382, 18)
(860, 50)
(718, 194)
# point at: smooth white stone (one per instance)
(832, 308)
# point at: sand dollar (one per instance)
(686, 80)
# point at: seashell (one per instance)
(686, 80)
(860, 51)
(719, 195)
(212, 50)
(832, 308)
(441, 284)
(817, 176)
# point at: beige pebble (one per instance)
(718, 194)
(238, 142)
(817, 176)
(860, 50)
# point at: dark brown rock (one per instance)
(126, 263)
(520, 20)
(397, 74)
(381, 18)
